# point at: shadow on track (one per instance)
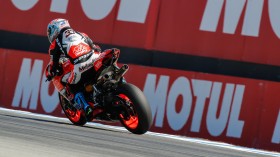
(67, 122)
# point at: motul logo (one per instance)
(31, 87)
(129, 10)
(198, 94)
(215, 103)
(233, 10)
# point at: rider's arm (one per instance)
(55, 53)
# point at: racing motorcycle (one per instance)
(111, 97)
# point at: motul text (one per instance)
(130, 10)
(233, 12)
(31, 87)
(156, 93)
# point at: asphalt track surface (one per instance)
(28, 135)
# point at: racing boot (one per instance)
(80, 99)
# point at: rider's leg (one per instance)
(64, 91)
(75, 88)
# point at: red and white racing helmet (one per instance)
(54, 28)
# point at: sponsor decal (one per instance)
(232, 16)
(82, 57)
(129, 10)
(196, 92)
(31, 86)
(68, 32)
(79, 49)
(85, 67)
(97, 64)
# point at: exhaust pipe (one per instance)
(122, 71)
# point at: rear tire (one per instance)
(77, 117)
(141, 121)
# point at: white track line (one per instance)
(187, 139)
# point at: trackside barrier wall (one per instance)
(237, 30)
(222, 108)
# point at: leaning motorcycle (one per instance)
(111, 97)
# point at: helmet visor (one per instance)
(49, 34)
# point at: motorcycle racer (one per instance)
(71, 54)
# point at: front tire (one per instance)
(77, 117)
(139, 120)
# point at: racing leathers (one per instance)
(72, 53)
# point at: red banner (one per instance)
(2, 65)
(237, 30)
(243, 31)
(269, 117)
(111, 24)
(235, 110)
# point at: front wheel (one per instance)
(136, 116)
(77, 117)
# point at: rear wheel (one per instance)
(136, 116)
(77, 117)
